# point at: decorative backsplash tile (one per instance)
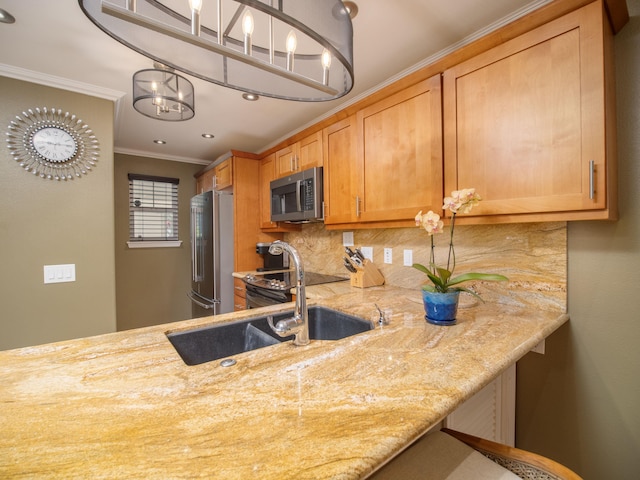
(532, 255)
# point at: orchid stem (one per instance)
(452, 253)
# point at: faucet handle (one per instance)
(286, 327)
(382, 319)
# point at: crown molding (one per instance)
(59, 82)
(159, 156)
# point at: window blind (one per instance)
(153, 208)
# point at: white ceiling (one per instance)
(54, 43)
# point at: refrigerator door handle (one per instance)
(206, 306)
(194, 273)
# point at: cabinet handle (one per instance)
(592, 172)
(297, 162)
(357, 205)
(291, 163)
(214, 182)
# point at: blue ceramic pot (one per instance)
(440, 308)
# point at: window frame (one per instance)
(173, 197)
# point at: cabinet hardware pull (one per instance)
(357, 205)
(592, 168)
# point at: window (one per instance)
(153, 210)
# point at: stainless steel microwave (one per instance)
(297, 198)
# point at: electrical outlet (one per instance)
(408, 258)
(388, 255)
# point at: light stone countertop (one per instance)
(124, 405)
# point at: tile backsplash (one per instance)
(533, 256)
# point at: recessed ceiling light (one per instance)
(160, 142)
(6, 17)
(252, 97)
(208, 135)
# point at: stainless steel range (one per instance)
(270, 288)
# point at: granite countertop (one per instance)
(124, 405)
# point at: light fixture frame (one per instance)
(221, 58)
(165, 103)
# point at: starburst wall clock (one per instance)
(52, 144)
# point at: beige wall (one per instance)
(580, 403)
(152, 283)
(44, 222)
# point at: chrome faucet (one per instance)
(297, 325)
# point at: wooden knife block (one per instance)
(367, 276)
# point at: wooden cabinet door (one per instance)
(310, 151)
(224, 175)
(525, 121)
(340, 172)
(239, 295)
(400, 153)
(299, 156)
(205, 182)
(267, 173)
(285, 159)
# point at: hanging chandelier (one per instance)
(288, 49)
(162, 94)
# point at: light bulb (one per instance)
(247, 23)
(326, 59)
(247, 29)
(292, 42)
(326, 63)
(195, 5)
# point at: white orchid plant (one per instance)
(460, 201)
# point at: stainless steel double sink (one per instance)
(224, 340)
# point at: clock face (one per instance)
(54, 144)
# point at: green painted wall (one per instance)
(152, 283)
(45, 222)
(580, 403)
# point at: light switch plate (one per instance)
(60, 273)
(408, 258)
(388, 255)
(347, 239)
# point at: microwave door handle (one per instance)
(299, 194)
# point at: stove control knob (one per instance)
(250, 278)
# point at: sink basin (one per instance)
(205, 344)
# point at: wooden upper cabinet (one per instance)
(400, 153)
(299, 156)
(385, 164)
(205, 181)
(267, 173)
(340, 172)
(526, 123)
(224, 175)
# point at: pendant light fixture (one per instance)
(162, 94)
(294, 50)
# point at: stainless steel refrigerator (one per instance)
(211, 254)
